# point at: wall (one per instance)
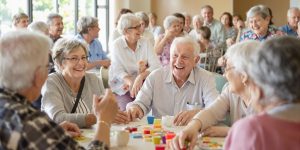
(278, 7)
(164, 8)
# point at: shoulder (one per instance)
(202, 73)
(158, 72)
(54, 78)
(92, 77)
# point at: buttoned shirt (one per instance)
(24, 127)
(250, 35)
(288, 30)
(217, 32)
(95, 50)
(125, 61)
(161, 93)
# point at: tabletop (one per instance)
(206, 143)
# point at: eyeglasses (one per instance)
(136, 27)
(76, 59)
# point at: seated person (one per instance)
(126, 53)
(23, 126)
(88, 31)
(61, 89)
(274, 72)
(293, 18)
(168, 90)
(20, 21)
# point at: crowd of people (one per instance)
(46, 93)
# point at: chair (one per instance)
(220, 81)
(104, 76)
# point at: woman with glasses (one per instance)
(234, 100)
(61, 89)
(132, 60)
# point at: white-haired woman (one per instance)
(132, 59)
(258, 18)
(234, 99)
(164, 41)
(274, 72)
(197, 24)
(144, 20)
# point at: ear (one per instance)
(257, 96)
(37, 77)
(197, 58)
(244, 77)
(268, 18)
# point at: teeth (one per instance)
(179, 67)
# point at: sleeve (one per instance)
(145, 95)
(117, 68)
(153, 61)
(243, 135)
(50, 135)
(209, 90)
(103, 54)
(214, 112)
(54, 103)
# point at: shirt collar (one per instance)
(6, 93)
(125, 45)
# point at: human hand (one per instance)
(184, 117)
(134, 111)
(105, 108)
(121, 118)
(105, 63)
(138, 82)
(229, 42)
(71, 128)
(128, 82)
(142, 66)
(217, 131)
(188, 134)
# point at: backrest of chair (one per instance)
(220, 81)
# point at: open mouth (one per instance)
(179, 67)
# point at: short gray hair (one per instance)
(198, 18)
(126, 21)
(169, 20)
(51, 16)
(275, 68)
(143, 16)
(206, 7)
(39, 26)
(64, 46)
(17, 17)
(261, 10)
(21, 53)
(185, 40)
(292, 9)
(239, 54)
(86, 22)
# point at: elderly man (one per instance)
(215, 26)
(293, 17)
(56, 26)
(20, 21)
(174, 89)
(88, 29)
(24, 127)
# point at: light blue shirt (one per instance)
(95, 51)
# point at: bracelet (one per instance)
(105, 123)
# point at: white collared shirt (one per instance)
(161, 94)
(124, 61)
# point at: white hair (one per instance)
(39, 26)
(198, 18)
(261, 10)
(21, 53)
(143, 16)
(185, 40)
(291, 10)
(239, 54)
(169, 20)
(126, 21)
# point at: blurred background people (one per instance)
(20, 21)
(56, 26)
(153, 26)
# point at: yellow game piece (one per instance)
(157, 122)
(156, 139)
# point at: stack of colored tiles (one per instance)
(207, 143)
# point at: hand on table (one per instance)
(184, 117)
(121, 118)
(134, 112)
(71, 128)
(216, 131)
(189, 134)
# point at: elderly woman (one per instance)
(187, 24)
(88, 31)
(27, 127)
(144, 20)
(153, 27)
(258, 18)
(234, 99)
(274, 70)
(68, 93)
(164, 41)
(132, 59)
(197, 24)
